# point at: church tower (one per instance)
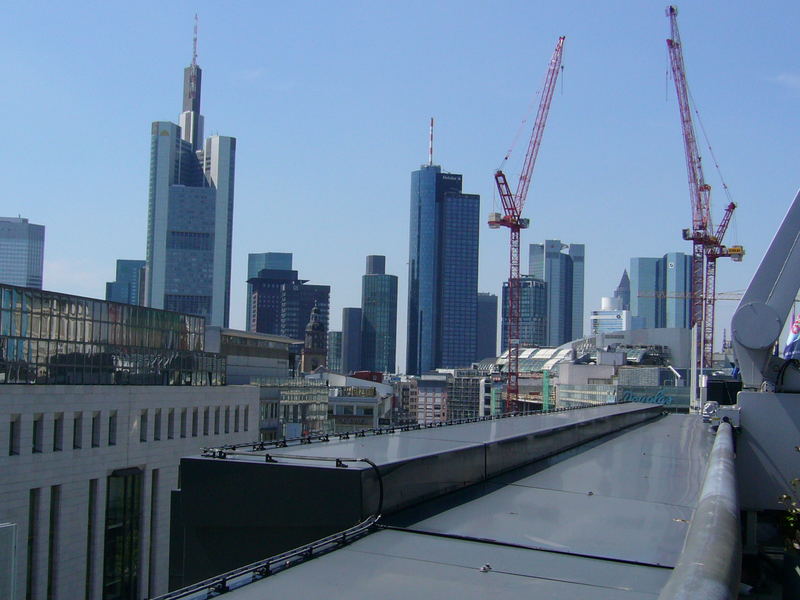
(314, 350)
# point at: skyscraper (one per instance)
(623, 291)
(351, 339)
(298, 299)
(256, 263)
(486, 345)
(378, 317)
(21, 252)
(190, 213)
(282, 303)
(443, 272)
(265, 310)
(532, 313)
(563, 274)
(335, 351)
(661, 290)
(127, 286)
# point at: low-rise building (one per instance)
(250, 355)
(87, 469)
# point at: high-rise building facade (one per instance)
(282, 303)
(443, 272)
(661, 290)
(277, 261)
(532, 313)
(623, 291)
(564, 275)
(610, 317)
(351, 339)
(265, 312)
(21, 252)
(190, 213)
(335, 351)
(486, 344)
(127, 288)
(378, 317)
(298, 299)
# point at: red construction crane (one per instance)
(706, 243)
(512, 218)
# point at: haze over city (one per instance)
(330, 107)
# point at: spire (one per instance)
(430, 146)
(191, 121)
(194, 43)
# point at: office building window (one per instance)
(195, 418)
(32, 579)
(96, 429)
(14, 434)
(58, 432)
(143, 426)
(171, 423)
(38, 432)
(246, 417)
(157, 425)
(183, 422)
(227, 419)
(236, 419)
(77, 430)
(112, 428)
(90, 533)
(52, 546)
(122, 534)
(216, 421)
(206, 419)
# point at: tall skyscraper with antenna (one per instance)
(442, 270)
(190, 211)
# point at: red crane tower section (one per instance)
(706, 243)
(512, 218)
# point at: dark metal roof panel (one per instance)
(404, 445)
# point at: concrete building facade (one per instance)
(89, 469)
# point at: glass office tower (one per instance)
(190, 214)
(378, 317)
(443, 272)
(661, 290)
(21, 252)
(563, 272)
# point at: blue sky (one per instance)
(330, 103)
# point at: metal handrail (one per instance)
(709, 566)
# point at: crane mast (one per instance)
(706, 244)
(513, 205)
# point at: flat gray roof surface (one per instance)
(403, 445)
(602, 521)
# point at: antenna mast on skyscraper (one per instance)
(194, 43)
(430, 146)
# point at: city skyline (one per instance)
(296, 108)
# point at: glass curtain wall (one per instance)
(49, 338)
